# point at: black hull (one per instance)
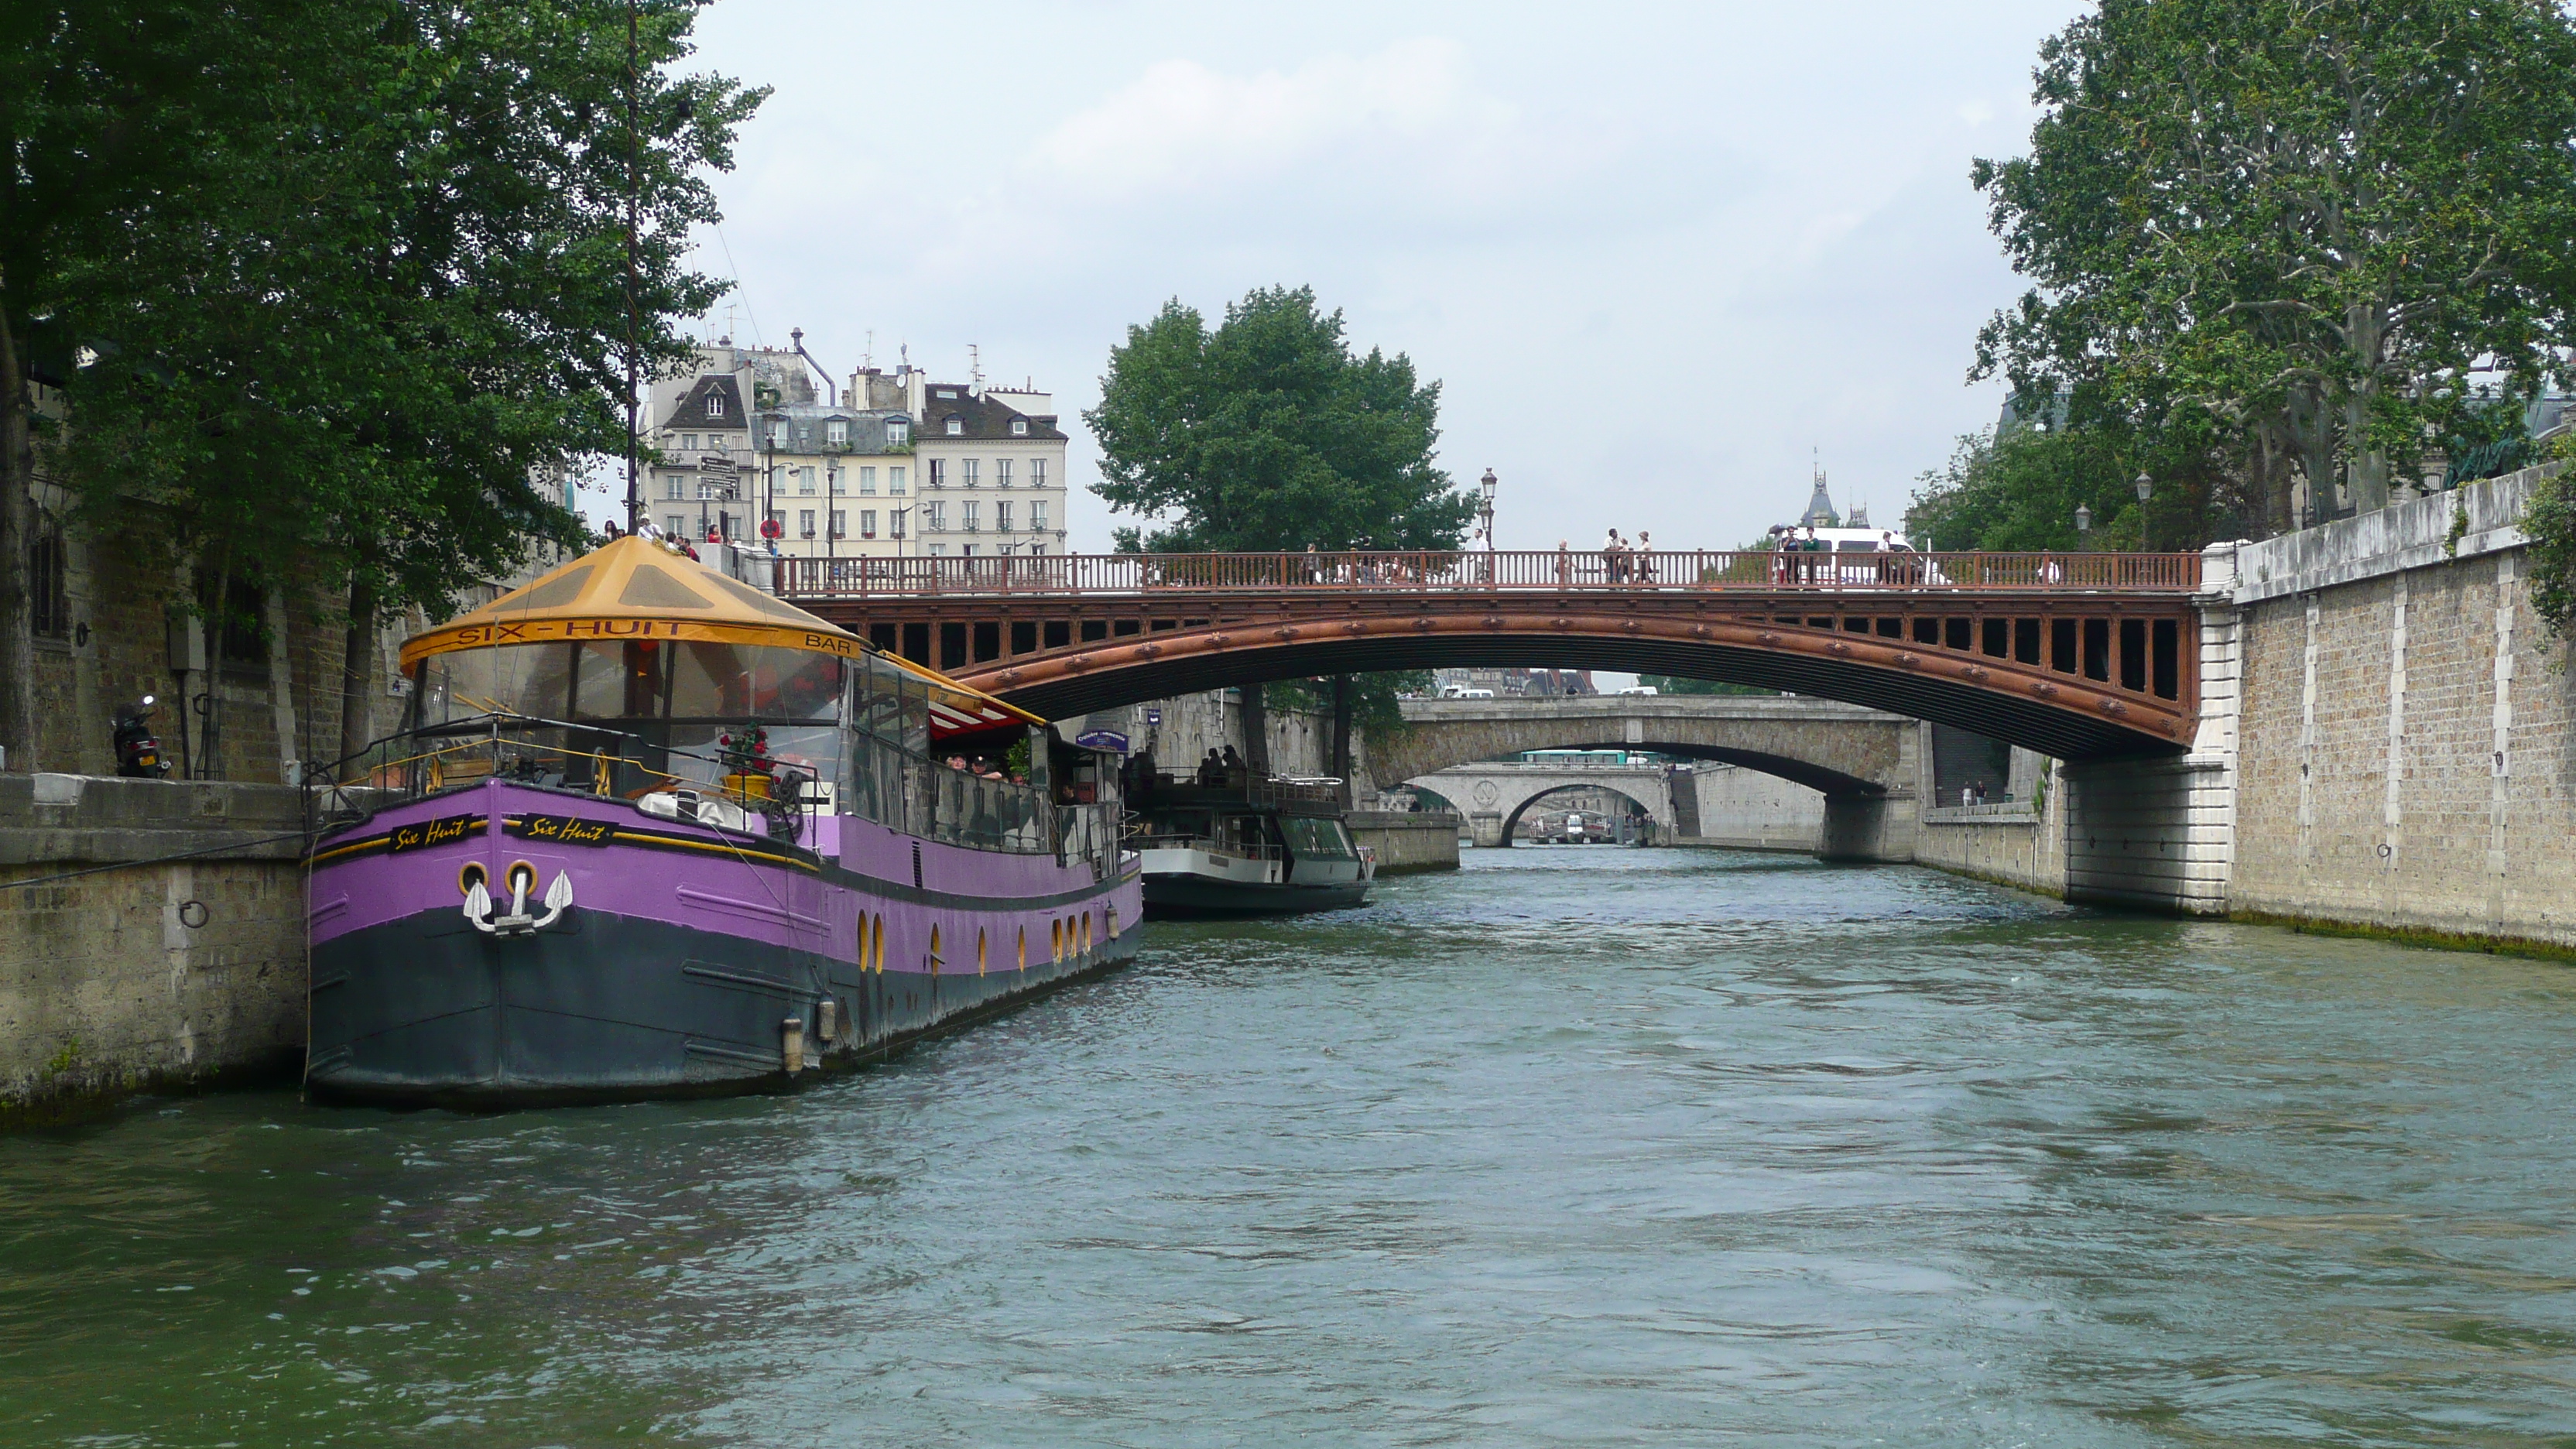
(1170, 897)
(414, 1013)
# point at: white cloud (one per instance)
(1183, 124)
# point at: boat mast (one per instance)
(634, 493)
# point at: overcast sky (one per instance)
(1657, 256)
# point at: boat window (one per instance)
(1312, 838)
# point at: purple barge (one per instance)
(651, 832)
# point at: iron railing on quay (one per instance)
(1379, 572)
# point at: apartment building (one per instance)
(892, 465)
(988, 464)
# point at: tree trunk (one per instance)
(1256, 731)
(17, 532)
(1342, 735)
(357, 672)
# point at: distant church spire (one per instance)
(1820, 509)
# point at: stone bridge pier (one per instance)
(1864, 761)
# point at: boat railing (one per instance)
(591, 758)
(1237, 850)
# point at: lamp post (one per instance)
(2084, 524)
(1485, 518)
(2146, 487)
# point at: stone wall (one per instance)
(1408, 841)
(2406, 760)
(1746, 809)
(1301, 741)
(160, 973)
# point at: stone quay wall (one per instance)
(2407, 763)
(156, 973)
(1408, 841)
(2387, 743)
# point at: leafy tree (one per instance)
(2303, 218)
(1682, 684)
(380, 289)
(2016, 489)
(1268, 433)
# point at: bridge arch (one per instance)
(1511, 822)
(2020, 703)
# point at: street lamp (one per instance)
(2146, 487)
(1485, 519)
(2084, 521)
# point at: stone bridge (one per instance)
(1493, 795)
(1866, 763)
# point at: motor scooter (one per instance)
(138, 751)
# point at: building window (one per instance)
(937, 519)
(1037, 472)
(956, 427)
(973, 469)
(1035, 549)
(867, 482)
(1001, 472)
(894, 480)
(671, 487)
(1037, 515)
(894, 521)
(840, 524)
(707, 489)
(688, 442)
(804, 523)
(840, 482)
(804, 480)
(1001, 515)
(837, 433)
(48, 584)
(973, 522)
(897, 431)
(867, 523)
(1019, 427)
(938, 472)
(673, 525)
(715, 404)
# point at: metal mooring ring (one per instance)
(193, 914)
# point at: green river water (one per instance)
(1573, 1146)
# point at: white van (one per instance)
(1861, 557)
(1647, 690)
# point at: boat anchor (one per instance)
(518, 921)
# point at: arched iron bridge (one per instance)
(2077, 655)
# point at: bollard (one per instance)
(791, 1043)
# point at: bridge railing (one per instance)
(1753, 571)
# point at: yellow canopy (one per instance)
(637, 589)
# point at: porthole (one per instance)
(472, 874)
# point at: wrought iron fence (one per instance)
(1380, 572)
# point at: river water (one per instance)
(1571, 1147)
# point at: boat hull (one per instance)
(1183, 897)
(680, 961)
